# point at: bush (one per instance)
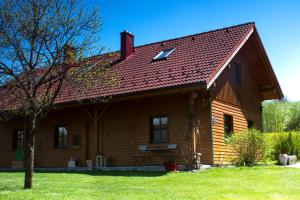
(283, 142)
(249, 147)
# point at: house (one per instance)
(209, 84)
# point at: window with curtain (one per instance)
(159, 129)
(228, 125)
(61, 137)
(18, 139)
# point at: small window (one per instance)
(18, 139)
(61, 137)
(159, 129)
(163, 54)
(250, 124)
(76, 141)
(238, 79)
(228, 125)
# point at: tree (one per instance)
(281, 116)
(39, 45)
(294, 122)
(276, 115)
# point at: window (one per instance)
(159, 129)
(76, 141)
(61, 137)
(250, 124)
(18, 139)
(228, 125)
(163, 54)
(238, 79)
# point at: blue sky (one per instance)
(278, 23)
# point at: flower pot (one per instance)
(170, 166)
(71, 164)
(89, 164)
(292, 159)
(283, 158)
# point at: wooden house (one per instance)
(208, 85)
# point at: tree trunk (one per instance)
(30, 130)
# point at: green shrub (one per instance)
(283, 142)
(249, 147)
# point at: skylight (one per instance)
(163, 54)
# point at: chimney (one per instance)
(127, 44)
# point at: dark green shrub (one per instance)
(249, 147)
(288, 143)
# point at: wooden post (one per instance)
(95, 117)
(87, 141)
(96, 132)
(191, 119)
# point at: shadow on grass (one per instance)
(109, 173)
(10, 188)
(100, 173)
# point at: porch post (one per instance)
(96, 132)
(191, 119)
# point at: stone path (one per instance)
(297, 165)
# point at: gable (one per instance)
(252, 52)
(237, 85)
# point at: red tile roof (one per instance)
(196, 59)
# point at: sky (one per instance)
(277, 22)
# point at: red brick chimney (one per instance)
(127, 44)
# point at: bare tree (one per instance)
(40, 42)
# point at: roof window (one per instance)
(163, 54)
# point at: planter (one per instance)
(71, 164)
(89, 164)
(292, 159)
(170, 166)
(283, 159)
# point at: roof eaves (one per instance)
(269, 65)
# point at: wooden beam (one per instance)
(267, 88)
(96, 132)
(191, 118)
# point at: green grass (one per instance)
(270, 182)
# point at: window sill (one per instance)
(159, 147)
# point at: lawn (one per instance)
(271, 182)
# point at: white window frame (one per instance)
(157, 57)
